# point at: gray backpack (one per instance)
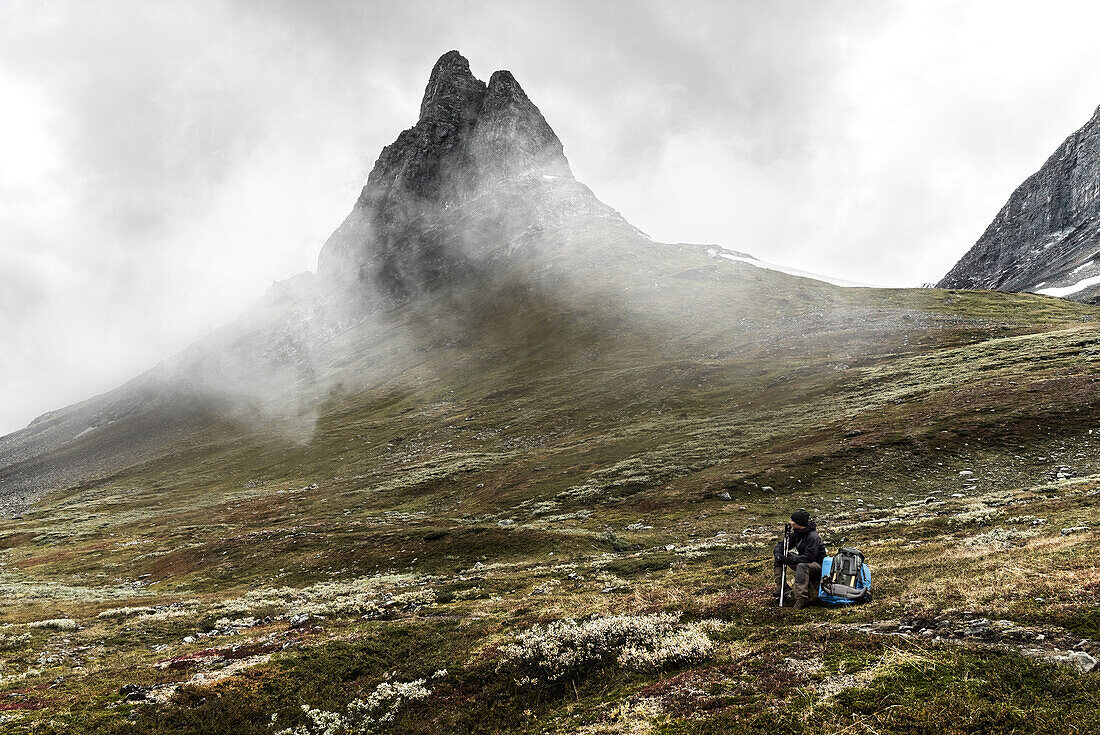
(845, 578)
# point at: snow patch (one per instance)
(738, 257)
(1067, 290)
(86, 431)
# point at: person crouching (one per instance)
(805, 553)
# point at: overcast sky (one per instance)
(161, 163)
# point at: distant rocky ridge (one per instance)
(1046, 239)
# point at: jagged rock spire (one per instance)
(452, 89)
(472, 142)
(512, 137)
(468, 131)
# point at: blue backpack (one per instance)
(845, 579)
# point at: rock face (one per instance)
(480, 168)
(1046, 239)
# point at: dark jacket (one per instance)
(807, 543)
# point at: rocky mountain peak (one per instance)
(452, 89)
(512, 137)
(1046, 238)
(480, 159)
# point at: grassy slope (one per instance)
(862, 405)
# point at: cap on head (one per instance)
(801, 517)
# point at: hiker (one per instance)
(806, 550)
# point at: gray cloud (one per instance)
(165, 162)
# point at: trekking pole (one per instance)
(783, 573)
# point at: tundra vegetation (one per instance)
(554, 534)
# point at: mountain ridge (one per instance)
(1046, 238)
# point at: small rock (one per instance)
(723, 496)
(1083, 661)
(1074, 529)
(767, 489)
(132, 692)
(305, 620)
(506, 522)
(979, 626)
(189, 639)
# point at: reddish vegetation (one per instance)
(210, 655)
(4, 706)
(20, 700)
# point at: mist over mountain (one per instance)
(1046, 238)
(469, 220)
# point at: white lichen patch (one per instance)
(998, 538)
(643, 642)
(375, 714)
(361, 596)
(65, 624)
(126, 612)
(16, 590)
